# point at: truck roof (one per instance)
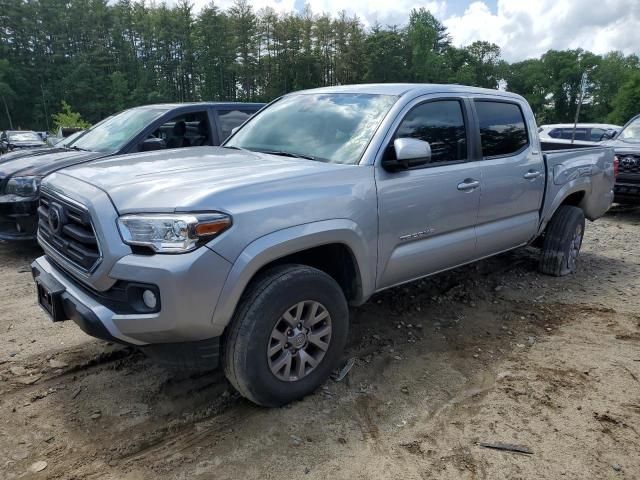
(400, 89)
(203, 104)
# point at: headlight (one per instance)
(23, 186)
(172, 233)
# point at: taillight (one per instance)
(616, 165)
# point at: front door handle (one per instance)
(468, 185)
(531, 174)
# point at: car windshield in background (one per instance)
(332, 127)
(25, 137)
(631, 131)
(65, 142)
(114, 133)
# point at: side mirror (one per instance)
(410, 152)
(150, 144)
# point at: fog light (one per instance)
(150, 300)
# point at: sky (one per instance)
(522, 28)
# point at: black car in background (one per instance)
(151, 127)
(627, 147)
(11, 140)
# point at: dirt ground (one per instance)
(492, 352)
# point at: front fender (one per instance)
(285, 242)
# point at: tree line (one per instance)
(101, 57)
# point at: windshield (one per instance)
(333, 127)
(70, 139)
(25, 137)
(114, 133)
(631, 131)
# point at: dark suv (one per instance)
(140, 129)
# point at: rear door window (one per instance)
(502, 128)
(232, 118)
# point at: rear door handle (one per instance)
(531, 174)
(468, 185)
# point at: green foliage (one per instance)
(102, 56)
(427, 41)
(68, 119)
(7, 94)
(626, 103)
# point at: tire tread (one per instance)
(558, 232)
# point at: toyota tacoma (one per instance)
(249, 255)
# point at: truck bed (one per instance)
(585, 173)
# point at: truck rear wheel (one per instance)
(287, 335)
(562, 242)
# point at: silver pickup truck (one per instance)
(249, 254)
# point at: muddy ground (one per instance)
(492, 352)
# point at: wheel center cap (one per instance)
(298, 340)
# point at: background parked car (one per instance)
(19, 139)
(64, 134)
(627, 148)
(60, 143)
(151, 127)
(585, 132)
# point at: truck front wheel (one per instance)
(562, 241)
(287, 335)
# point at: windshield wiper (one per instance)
(287, 154)
(78, 149)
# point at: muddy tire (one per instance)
(287, 335)
(562, 242)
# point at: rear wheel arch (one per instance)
(574, 199)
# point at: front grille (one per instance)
(629, 163)
(67, 228)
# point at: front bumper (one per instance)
(188, 286)
(18, 218)
(626, 192)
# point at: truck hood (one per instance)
(190, 179)
(44, 162)
(13, 154)
(624, 146)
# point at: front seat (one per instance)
(178, 139)
(203, 132)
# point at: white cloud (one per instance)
(385, 12)
(526, 29)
